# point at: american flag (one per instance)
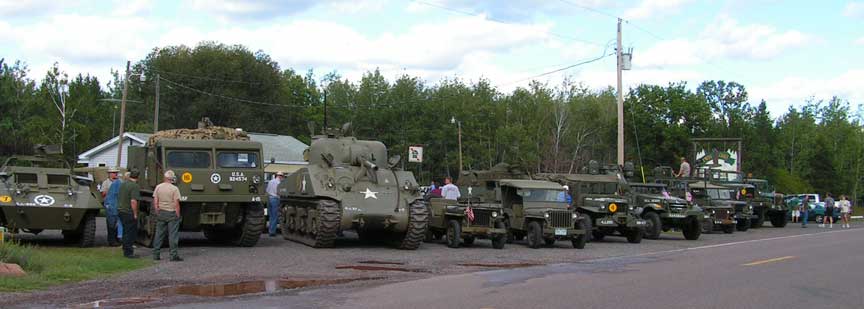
(469, 213)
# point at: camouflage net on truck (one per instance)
(210, 132)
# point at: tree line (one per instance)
(541, 127)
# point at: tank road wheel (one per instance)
(418, 223)
(454, 232)
(728, 228)
(248, 233)
(499, 240)
(693, 229)
(580, 240)
(743, 225)
(288, 224)
(653, 226)
(634, 235)
(778, 220)
(535, 235)
(758, 221)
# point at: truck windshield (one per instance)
(542, 195)
(604, 188)
(189, 159)
(720, 194)
(238, 159)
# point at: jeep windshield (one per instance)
(542, 195)
(720, 194)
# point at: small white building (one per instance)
(285, 152)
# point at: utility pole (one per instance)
(122, 115)
(620, 99)
(156, 113)
(460, 148)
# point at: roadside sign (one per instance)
(415, 154)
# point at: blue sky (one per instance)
(783, 51)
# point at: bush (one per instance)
(16, 253)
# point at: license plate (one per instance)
(560, 232)
(718, 221)
(676, 216)
(607, 222)
(640, 222)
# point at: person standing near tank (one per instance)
(166, 204)
(273, 202)
(109, 200)
(127, 208)
(450, 191)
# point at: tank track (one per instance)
(418, 221)
(326, 227)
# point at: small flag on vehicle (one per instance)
(469, 213)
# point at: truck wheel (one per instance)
(454, 232)
(248, 233)
(580, 240)
(535, 235)
(728, 228)
(778, 220)
(693, 229)
(597, 235)
(634, 235)
(653, 225)
(743, 225)
(468, 241)
(758, 221)
(499, 240)
(88, 231)
(708, 226)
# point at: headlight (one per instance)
(630, 208)
(750, 207)
(575, 216)
(256, 179)
(546, 215)
(494, 214)
(713, 212)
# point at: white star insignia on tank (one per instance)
(368, 193)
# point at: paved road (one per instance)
(802, 271)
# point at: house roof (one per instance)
(282, 148)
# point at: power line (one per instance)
(227, 97)
(558, 70)
(588, 8)
(563, 36)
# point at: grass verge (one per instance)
(52, 266)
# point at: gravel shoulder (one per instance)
(278, 259)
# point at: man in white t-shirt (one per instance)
(166, 204)
(450, 191)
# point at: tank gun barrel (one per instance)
(369, 165)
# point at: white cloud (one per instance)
(13, 8)
(794, 90)
(854, 9)
(655, 8)
(511, 10)
(860, 41)
(267, 9)
(131, 7)
(723, 38)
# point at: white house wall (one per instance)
(108, 157)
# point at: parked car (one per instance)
(817, 209)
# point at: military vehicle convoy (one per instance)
(41, 192)
(663, 212)
(219, 174)
(538, 211)
(350, 184)
(602, 197)
(478, 214)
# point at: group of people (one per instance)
(844, 206)
(121, 201)
(449, 191)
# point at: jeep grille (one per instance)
(482, 217)
(561, 219)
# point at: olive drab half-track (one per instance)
(350, 184)
(41, 192)
(219, 173)
(602, 196)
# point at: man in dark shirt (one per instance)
(127, 208)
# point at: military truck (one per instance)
(537, 211)
(767, 203)
(480, 198)
(602, 198)
(350, 184)
(220, 175)
(720, 205)
(663, 212)
(41, 192)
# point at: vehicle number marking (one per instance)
(5, 198)
(560, 232)
(215, 178)
(256, 198)
(640, 222)
(676, 216)
(718, 221)
(238, 177)
(607, 222)
(184, 198)
(187, 177)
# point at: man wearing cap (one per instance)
(273, 201)
(127, 208)
(166, 206)
(109, 199)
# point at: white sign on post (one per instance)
(415, 154)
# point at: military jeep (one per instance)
(719, 205)
(664, 212)
(538, 211)
(41, 192)
(463, 221)
(602, 197)
(768, 204)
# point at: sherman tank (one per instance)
(350, 184)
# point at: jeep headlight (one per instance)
(575, 216)
(630, 208)
(750, 207)
(494, 214)
(713, 212)
(546, 215)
